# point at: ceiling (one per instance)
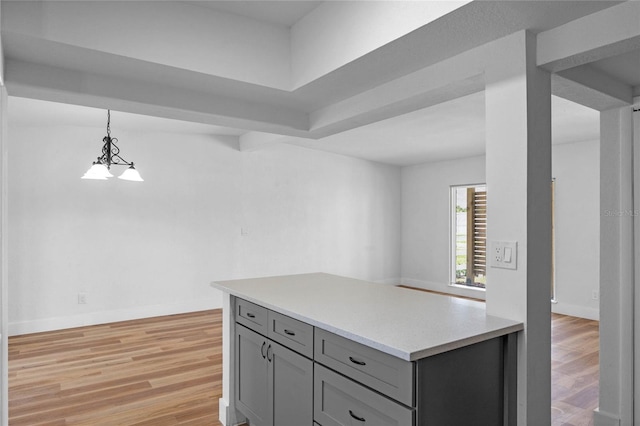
(217, 104)
(279, 12)
(624, 68)
(449, 130)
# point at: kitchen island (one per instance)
(327, 350)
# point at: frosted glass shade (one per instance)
(131, 174)
(97, 172)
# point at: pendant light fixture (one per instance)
(100, 170)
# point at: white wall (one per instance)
(426, 221)
(576, 167)
(426, 218)
(151, 248)
(309, 211)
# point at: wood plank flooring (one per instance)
(574, 370)
(157, 371)
(167, 371)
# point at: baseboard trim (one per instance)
(223, 410)
(390, 281)
(104, 317)
(575, 311)
(443, 288)
(558, 308)
(225, 416)
(602, 418)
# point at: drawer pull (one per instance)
(357, 361)
(250, 315)
(289, 332)
(262, 350)
(358, 418)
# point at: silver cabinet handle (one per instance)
(289, 332)
(262, 350)
(250, 315)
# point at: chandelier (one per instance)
(100, 170)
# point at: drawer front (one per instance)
(251, 316)
(291, 333)
(339, 401)
(385, 373)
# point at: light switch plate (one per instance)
(503, 254)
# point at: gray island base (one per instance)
(323, 350)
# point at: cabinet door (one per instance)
(252, 376)
(291, 387)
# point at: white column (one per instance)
(223, 406)
(616, 268)
(228, 415)
(518, 163)
(4, 303)
(636, 251)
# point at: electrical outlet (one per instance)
(504, 254)
(82, 298)
(595, 294)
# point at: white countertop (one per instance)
(406, 323)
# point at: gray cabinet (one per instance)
(290, 387)
(252, 376)
(274, 384)
(288, 373)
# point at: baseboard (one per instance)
(443, 288)
(558, 308)
(223, 410)
(104, 317)
(390, 281)
(575, 311)
(602, 418)
(225, 417)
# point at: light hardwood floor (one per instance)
(574, 370)
(158, 371)
(167, 371)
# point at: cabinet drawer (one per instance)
(339, 401)
(385, 373)
(251, 316)
(291, 333)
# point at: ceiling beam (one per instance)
(449, 79)
(579, 42)
(56, 84)
(589, 87)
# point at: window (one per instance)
(469, 235)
